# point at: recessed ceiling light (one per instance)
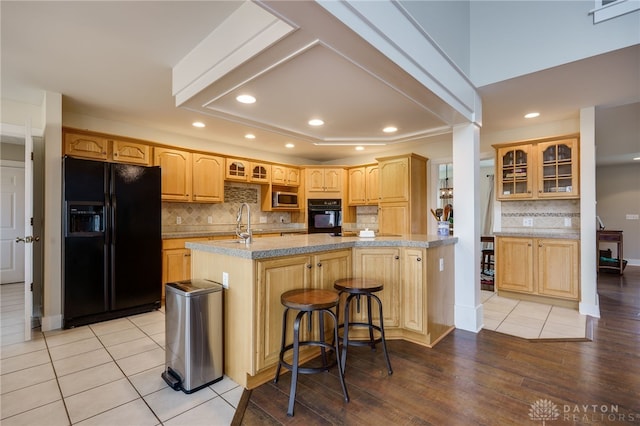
(289, 145)
(359, 148)
(250, 136)
(246, 99)
(197, 124)
(316, 122)
(390, 129)
(532, 115)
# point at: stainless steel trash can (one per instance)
(193, 333)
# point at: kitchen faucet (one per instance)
(245, 236)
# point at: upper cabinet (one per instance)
(242, 170)
(364, 185)
(328, 181)
(285, 175)
(538, 170)
(176, 173)
(190, 176)
(104, 148)
(208, 178)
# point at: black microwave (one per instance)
(284, 199)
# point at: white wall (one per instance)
(448, 23)
(513, 38)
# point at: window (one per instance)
(607, 9)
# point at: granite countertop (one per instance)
(263, 248)
(540, 234)
(212, 233)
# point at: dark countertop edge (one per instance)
(230, 250)
(548, 234)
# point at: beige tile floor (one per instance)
(531, 320)
(102, 374)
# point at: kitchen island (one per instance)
(416, 270)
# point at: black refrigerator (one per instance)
(112, 245)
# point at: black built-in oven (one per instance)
(325, 216)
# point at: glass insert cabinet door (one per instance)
(558, 161)
(514, 172)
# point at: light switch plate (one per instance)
(527, 221)
(225, 280)
(567, 221)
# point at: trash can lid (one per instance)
(194, 286)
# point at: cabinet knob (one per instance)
(396, 257)
(419, 259)
(309, 266)
(319, 265)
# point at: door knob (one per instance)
(28, 239)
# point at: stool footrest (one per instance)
(310, 370)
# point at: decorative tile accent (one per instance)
(194, 216)
(547, 215)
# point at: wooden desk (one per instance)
(606, 236)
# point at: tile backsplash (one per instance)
(558, 216)
(196, 217)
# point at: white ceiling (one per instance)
(114, 60)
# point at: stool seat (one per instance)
(358, 285)
(309, 299)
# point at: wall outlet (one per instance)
(178, 220)
(263, 219)
(225, 280)
(633, 217)
(567, 221)
(209, 219)
(527, 221)
(441, 264)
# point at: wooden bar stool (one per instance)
(308, 301)
(357, 287)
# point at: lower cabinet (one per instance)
(384, 265)
(274, 277)
(538, 266)
(414, 292)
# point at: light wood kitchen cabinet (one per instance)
(275, 276)
(402, 208)
(241, 170)
(545, 169)
(414, 291)
(176, 173)
(327, 181)
(105, 148)
(208, 178)
(285, 175)
(176, 260)
(384, 265)
(546, 267)
(363, 185)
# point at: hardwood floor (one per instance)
(485, 378)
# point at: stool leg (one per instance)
(370, 321)
(323, 351)
(296, 360)
(345, 334)
(340, 369)
(384, 341)
(282, 344)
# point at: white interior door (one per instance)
(11, 222)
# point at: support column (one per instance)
(589, 304)
(466, 226)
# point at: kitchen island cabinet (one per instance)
(258, 273)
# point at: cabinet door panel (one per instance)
(558, 268)
(357, 188)
(514, 260)
(394, 180)
(373, 184)
(393, 218)
(274, 278)
(176, 173)
(383, 265)
(131, 152)
(208, 178)
(92, 147)
(413, 290)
